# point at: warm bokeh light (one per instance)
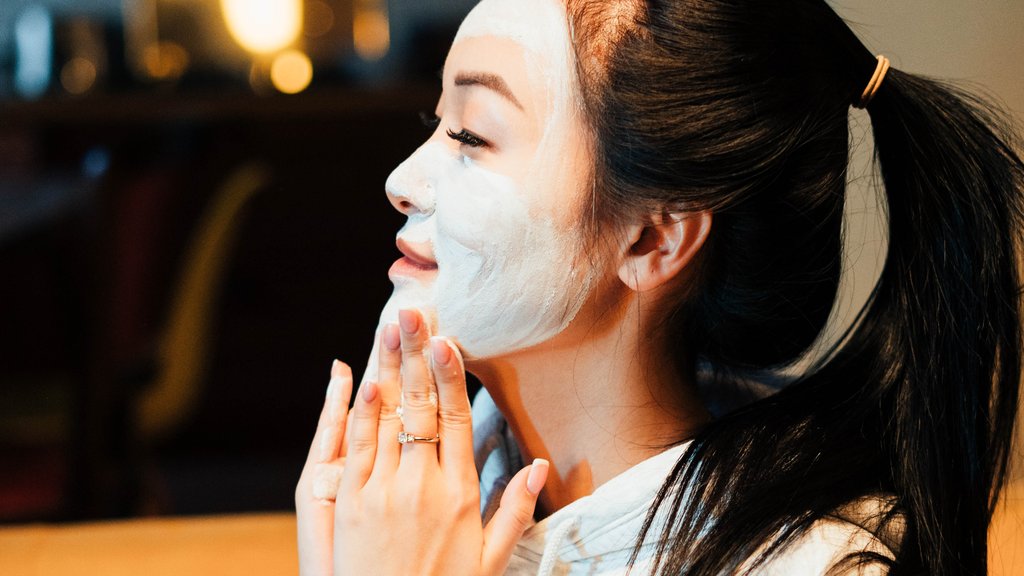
(371, 34)
(319, 18)
(263, 26)
(78, 75)
(291, 72)
(165, 60)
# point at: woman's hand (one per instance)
(409, 508)
(315, 492)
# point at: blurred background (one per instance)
(193, 225)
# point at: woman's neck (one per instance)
(594, 401)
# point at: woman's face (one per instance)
(492, 246)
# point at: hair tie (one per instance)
(875, 83)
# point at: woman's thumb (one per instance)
(513, 517)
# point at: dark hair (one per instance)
(741, 108)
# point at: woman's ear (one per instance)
(657, 251)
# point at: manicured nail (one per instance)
(410, 321)
(441, 351)
(392, 338)
(335, 366)
(369, 392)
(538, 476)
(336, 403)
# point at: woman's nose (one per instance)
(409, 187)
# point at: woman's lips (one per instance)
(417, 260)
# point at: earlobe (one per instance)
(661, 249)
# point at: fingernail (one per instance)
(392, 339)
(337, 369)
(538, 476)
(369, 392)
(441, 351)
(410, 321)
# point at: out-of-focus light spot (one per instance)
(33, 41)
(371, 34)
(78, 75)
(291, 72)
(165, 60)
(263, 26)
(319, 18)
(257, 78)
(96, 162)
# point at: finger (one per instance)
(339, 392)
(362, 440)
(325, 420)
(315, 513)
(344, 444)
(388, 426)
(454, 414)
(513, 517)
(419, 397)
(327, 480)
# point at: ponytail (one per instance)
(916, 404)
(919, 401)
(947, 340)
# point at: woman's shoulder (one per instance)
(857, 539)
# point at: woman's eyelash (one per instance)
(432, 121)
(467, 138)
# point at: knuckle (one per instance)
(412, 347)
(455, 417)
(388, 412)
(390, 419)
(453, 372)
(391, 359)
(362, 444)
(417, 497)
(379, 502)
(362, 417)
(522, 516)
(419, 398)
(465, 503)
(350, 515)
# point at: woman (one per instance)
(619, 196)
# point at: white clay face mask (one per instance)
(505, 280)
(509, 274)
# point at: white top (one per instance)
(595, 535)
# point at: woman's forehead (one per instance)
(524, 41)
(540, 26)
(499, 64)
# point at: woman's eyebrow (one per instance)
(488, 80)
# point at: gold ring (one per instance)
(406, 438)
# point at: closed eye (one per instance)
(467, 138)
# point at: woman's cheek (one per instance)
(481, 221)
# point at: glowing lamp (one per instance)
(263, 26)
